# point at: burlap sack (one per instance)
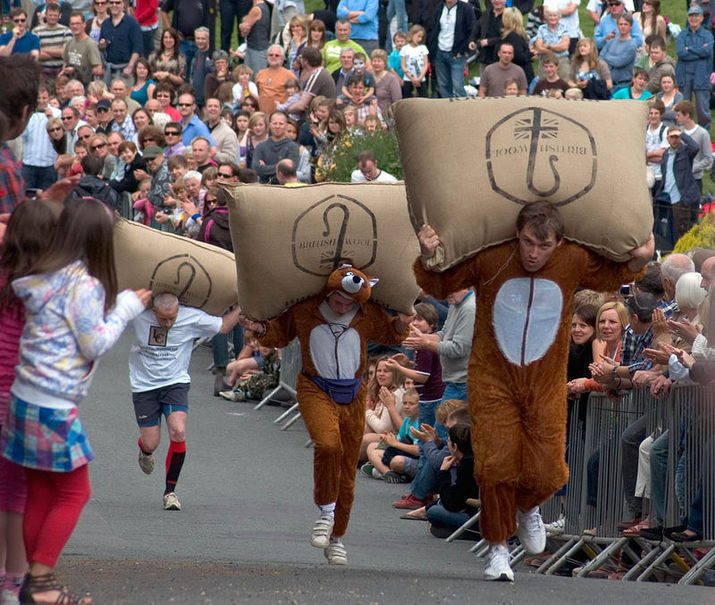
(471, 164)
(288, 240)
(201, 275)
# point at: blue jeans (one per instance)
(441, 517)
(658, 476)
(219, 345)
(395, 10)
(189, 49)
(449, 71)
(455, 390)
(148, 41)
(702, 102)
(38, 177)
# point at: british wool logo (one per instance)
(536, 154)
(332, 230)
(184, 276)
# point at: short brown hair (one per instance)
(429, 313)
(685, 107)
(544, 218)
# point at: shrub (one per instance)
(344, 158)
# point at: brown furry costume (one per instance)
(335, 429)
(517, 370)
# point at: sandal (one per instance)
(46, 583)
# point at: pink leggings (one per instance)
(54, 504)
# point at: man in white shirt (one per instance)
(160, 381)
(368, 171)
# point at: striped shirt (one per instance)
(52, 37)
(37, 148)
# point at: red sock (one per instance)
(174, 461)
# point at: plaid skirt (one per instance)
(44, 438)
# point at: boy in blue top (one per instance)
(19, 40)
(394, 61)
(402, 452)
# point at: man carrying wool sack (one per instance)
(516, 383)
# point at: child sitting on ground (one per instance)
(255, 370)
(456, 484)
(399, 460)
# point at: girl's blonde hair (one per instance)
(414, 30)
(446, 408)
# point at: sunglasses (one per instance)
(102, 109)
(185, 104)
(226, 176)
(116, 2)
(84, 137)
(211, 200)
(171, 133)
(19, 20)
(67, 118)
(99, 146)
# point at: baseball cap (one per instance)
(151, 151)
(695, 10)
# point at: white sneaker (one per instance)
(531, 531)
(335, 553)
(557, 527)
(323, 528)
(171, 502)
(497, 564)
(9, 597)
(146, 462)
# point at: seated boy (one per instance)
(402, 452)
(551, 79)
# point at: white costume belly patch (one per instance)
(526, 318)
(335, 350)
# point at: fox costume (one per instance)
(331, 393)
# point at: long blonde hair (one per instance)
(592, 57)
(513, 21)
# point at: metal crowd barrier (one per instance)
(688, 413)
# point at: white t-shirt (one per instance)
(654, 140)
(415, 59)
(161, 357)
(384, 177)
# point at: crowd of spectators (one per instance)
(149, 117)
(141, 87)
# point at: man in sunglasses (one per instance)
(19, 40)
(105, 117)
(607, 29)
(121, 40)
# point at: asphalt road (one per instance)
(243, 533)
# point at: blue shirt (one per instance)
(671, 187)
(366, 27)
(195, 128)
(123, 40)
(26, 44)
(608, 25)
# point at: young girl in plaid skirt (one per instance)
(73, 316)
(28, 235)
